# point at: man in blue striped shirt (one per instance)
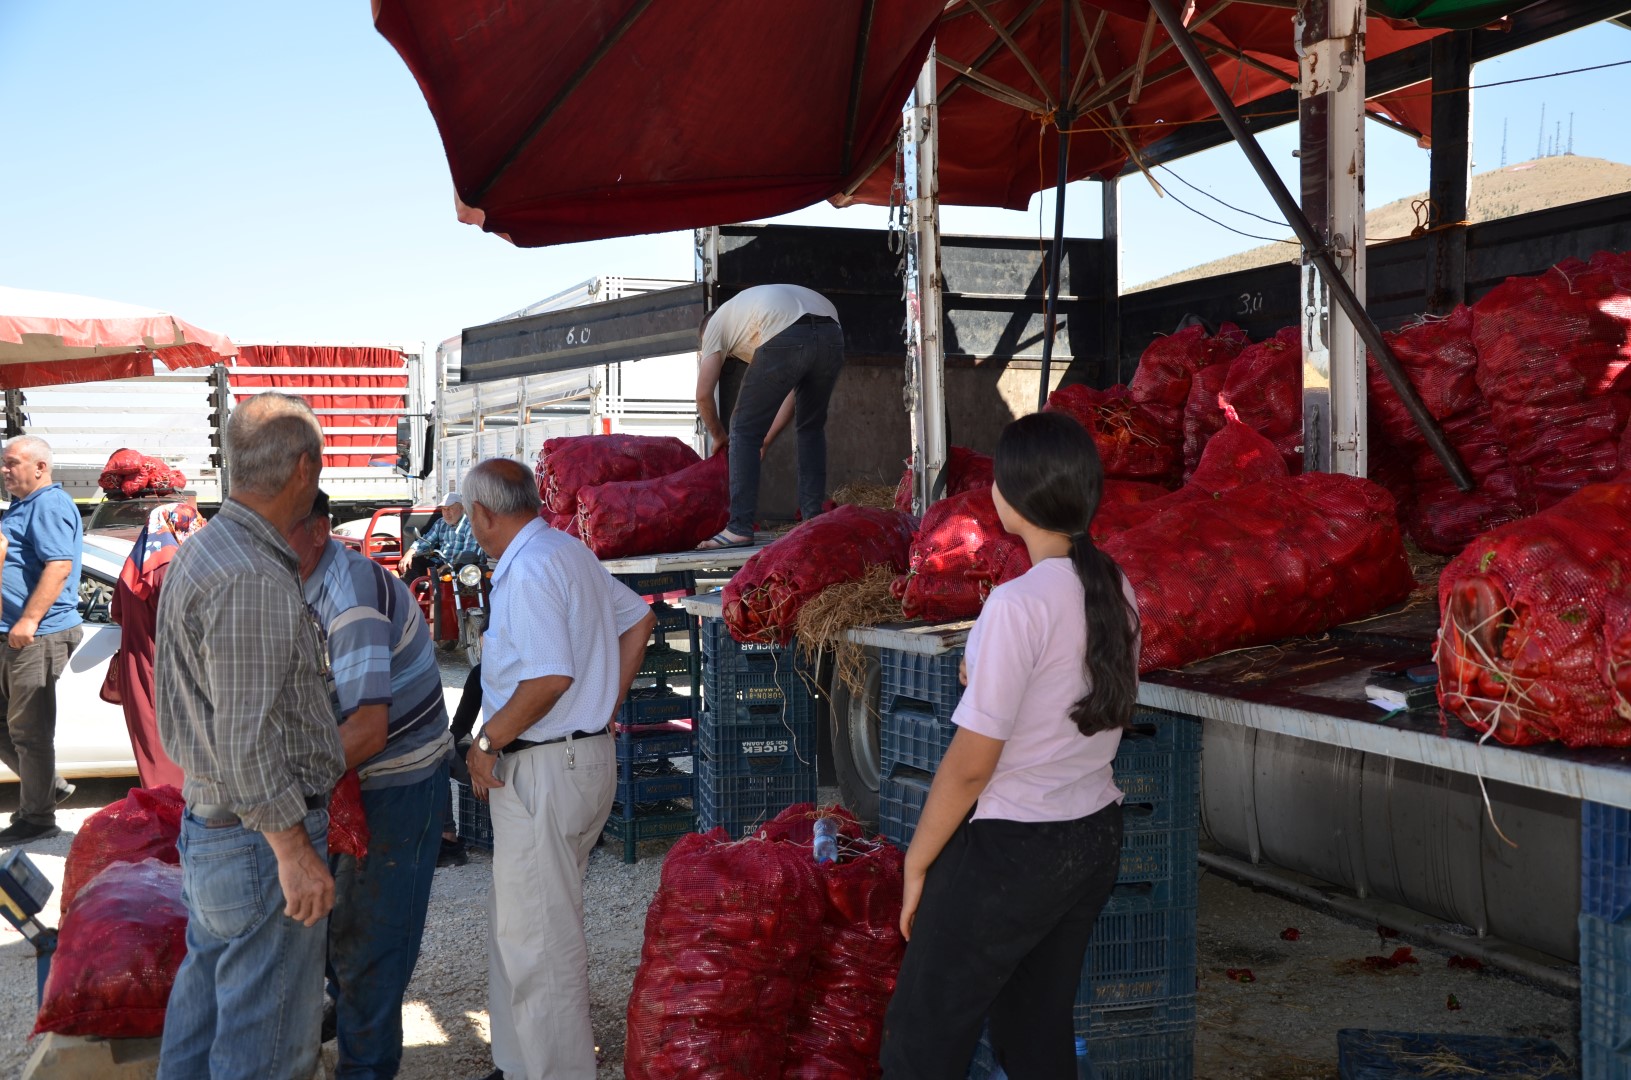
(394, 730)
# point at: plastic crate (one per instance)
(740, 804)
(1166, 1054)
(1605, 862)
(662, 661)
(671, 618)
(474, 822)
(1158, 769)
(901, 795)
(758, 740)
(661, 584)
(910, 734)
(722, 690)
(1158, 854)
(931, 681)
(654, 782)
(1405, 1055)
(1138, 958)
(652, 744)
(718, 643)
(648, 821)
(649, 707)
(1605, 999)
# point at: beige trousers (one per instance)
(546, 819)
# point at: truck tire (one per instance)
(853, 722)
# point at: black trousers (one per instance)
(1001, 933)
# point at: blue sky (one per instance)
(271, 171)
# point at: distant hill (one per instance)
(1516, 189)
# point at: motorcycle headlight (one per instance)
(470, 576)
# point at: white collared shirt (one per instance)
(555, 610)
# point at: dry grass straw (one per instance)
(1446, 1063)
(864, 493)
(824, 621)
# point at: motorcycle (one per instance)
(453, 597)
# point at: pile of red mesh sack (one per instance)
(965, 470)
(567, 465)
(1133, 445)
(1535, 625)
(1264, 391)
(130, 473)
(1166, 378)
(1441, 362)
(673, 512)
(758, 962)
(1237, 456)
(145, 824)
(1203, 413)
(1554, 363)
(763, 599)
(117, 954)
(1270, 560)
(960, 553)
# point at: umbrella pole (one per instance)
(1062, 120)
(1315, 250)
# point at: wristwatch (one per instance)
(485, 745)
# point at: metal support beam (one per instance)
(1451, 174)
(925, 350)
(1056, 257)
(1331, 45)
(1316, 251)
(1111, 350)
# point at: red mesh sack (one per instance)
(1441, 362)
(1270, 560)
(566, 523)
(763, 599)
(956, 558)
(1132, 443)
(178, 479)
(1203, 414)
(965, 470)
(568, 465)
(1264, 391)
(145, 824)
(123, 460)
(1167, 368)
(673, 512)
(347, 823)
(117, 954)
(729, 938)
(1554, 363)
(1237, 456)
(796, 824)
(1533, 644)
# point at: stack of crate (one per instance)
(656, 781)
(756, 734)
(1136, 1001)
(1605, 942)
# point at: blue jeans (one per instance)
(248, 1000)
(379, 919)
(804, 361)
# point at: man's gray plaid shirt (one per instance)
(241, 689)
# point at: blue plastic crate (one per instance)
(717, 642)
(931, 681)
(723, 689)
(1158, 854)
(741, 804)
(910, 734)
(764, 743)
(660, 584)
(652, 744)
(1158, 769)
(1605, 999)
(901, 795)
(1605, 861)
(654, 782)
(632, 826)
(1164, 1054)
(654, 705)
(1179, 890)
(1138, 958)
(671, 618)
(665, 661)
(472, 820)
(1407, 1055)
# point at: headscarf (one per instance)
(167, 527)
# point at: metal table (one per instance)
(722, 559)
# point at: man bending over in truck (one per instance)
(448, 538)
(791, 341)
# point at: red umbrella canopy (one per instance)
(1001, 93)
(578, 121)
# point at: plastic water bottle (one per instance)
(1084, 1064)
(826, 840)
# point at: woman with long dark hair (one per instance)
(1019, 842)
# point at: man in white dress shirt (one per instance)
(564, 642)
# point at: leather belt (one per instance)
(218, 815)
(813, 320)
(528, 744)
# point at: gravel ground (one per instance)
(1281, 1026)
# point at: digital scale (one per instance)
(23, 893)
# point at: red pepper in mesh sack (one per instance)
(145, 824)
(1203, 415)
(1441, 362)
(1235, 457)
(1167, 369)
(762, 601)
(1554, 362)
(1273, 559)
(1131, 442)
(347, 823)
(1264, 391)
(117, 954)
(965, 470)
(955, 558)
(674, 512)
(568, 465)
(729, 939)
(1532, 632)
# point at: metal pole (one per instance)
(1062, 119)
(1111, 190)
(1315, 251)
(925, 389)
(1451, 165)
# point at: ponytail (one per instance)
(1112, 628)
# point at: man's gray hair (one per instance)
(266, 437)
(36, 448)
(503, 486)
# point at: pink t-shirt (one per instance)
(1026, 669)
